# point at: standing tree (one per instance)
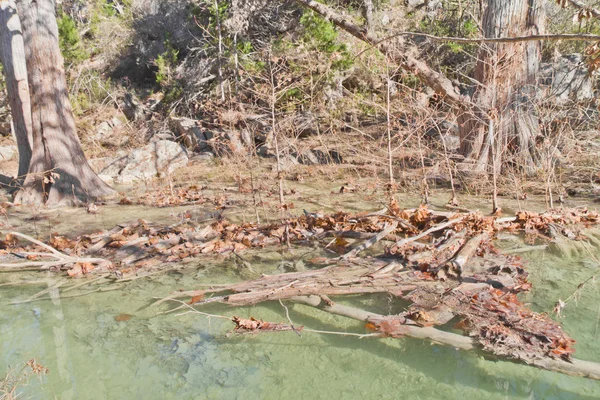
(506, 73)
(58, 172)
(12, 56)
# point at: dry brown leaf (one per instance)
(75, 271)
(196, 299)
(123, 317)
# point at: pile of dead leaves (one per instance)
(134, 244)
(167, 197)
(505, 326)
(253, 325)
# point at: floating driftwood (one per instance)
(448, 271)
(444, 264)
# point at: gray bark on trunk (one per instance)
(59, 172)
(507, 76)
(12, 56)
(368, 13)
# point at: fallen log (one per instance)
(586, 369)
(386, 231)
(494, 320)
(458, 263)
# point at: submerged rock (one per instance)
(156, 159)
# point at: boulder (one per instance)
(444, 134)
(5, 128)
(306, 124)
(429, 5)
(8, 152)
(202, 157)
(110, 133)
(265, 151)
(103, 130)
(309, 157)
(286, 162)
(131, 107)
(226, 143)
(319, 157)
(412, 4)
(156, 159)
(246, 138)
(190, 133)
(567, 79)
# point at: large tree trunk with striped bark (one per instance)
(504, 126)
(12, 56)
(58, 172)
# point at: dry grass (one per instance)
(11, 386)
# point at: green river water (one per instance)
(91, 355)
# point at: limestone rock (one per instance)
(444, 134)
(567, 79)
(190, 133)
(8, 152)
(156, 159)
(110, 133)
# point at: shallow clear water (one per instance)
(162, 356)
(92, 356)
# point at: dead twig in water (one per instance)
(386, 231)
(429, 231)
(60, 258)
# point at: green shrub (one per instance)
(166, 64)
(322, 35)
(91, 90)
(69, 41)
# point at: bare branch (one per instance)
(582, 6)
(435, 80)
(514, 39)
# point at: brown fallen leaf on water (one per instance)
(422, 318)
(391, 327)
(75, 271)
(60, 242)
(10, 239)
(253, 325)
(394, 208)
(80, 268)
(320, 260)
(196, 299)
(86, 267)
(371, 327)
(340, 245)
(123, 317)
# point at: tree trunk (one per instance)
(507, 73)
(59, 172)
(12, 56)
(368, 13)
